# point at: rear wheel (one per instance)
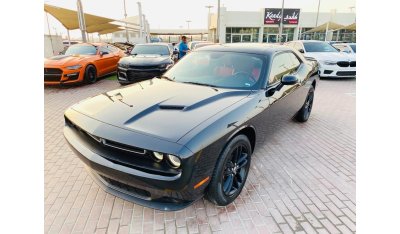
(90, 74)
(304, 113)
(231, 172)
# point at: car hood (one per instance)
(146, 59)
(331, 56)
(160, 108)
(65, 60)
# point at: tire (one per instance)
(304, 113)
(228, 179)
(90, 74)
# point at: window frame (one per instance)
(271, 64)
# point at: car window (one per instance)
(295, 60)
(151, 49)
(105, 49)
(353, 47)
(281, 65)
(81, 49)
(318, 47)
(220, 69)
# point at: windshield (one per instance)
(150, 49)
(81, 49)
(318, 47)
(219, 69)
(353, 47)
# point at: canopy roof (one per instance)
(69, 19)
(351, 27)
(111, 30)
(322, 27)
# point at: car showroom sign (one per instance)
(273, 16)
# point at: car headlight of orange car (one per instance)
(75, 67)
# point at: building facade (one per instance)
(263, 25)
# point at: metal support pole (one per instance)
(218, 21)
(316, 21)
(81, 19)
(126, 25)
(48, 27)
(69, 38)
(281, 23)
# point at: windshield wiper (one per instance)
(202, 84)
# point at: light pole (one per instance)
(126, 24)
(218, 21)
(208, 17)
(188, 21)
(281, 23)
(316, 21)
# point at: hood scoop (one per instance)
(171, 107)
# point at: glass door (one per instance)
(274, 38)
(246, 37)
(236, 38)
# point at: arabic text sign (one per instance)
(273, 16)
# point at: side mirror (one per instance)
(301, 51)
(103, 53)
(175, 52)
(289, 80)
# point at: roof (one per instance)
(322, 27)
(155, 43)
(351, 27)
(69, 18)
(254, 48)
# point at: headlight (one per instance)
(158, 156)
(174, 161)
(123, 65)
(166, 65)
(329, 62)
(74, 67)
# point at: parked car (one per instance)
(335, 42)
(164, 143)
(331, 62)
(82, 63)
(199, 45)
(346, 47)
(192, 44)
(146, 61)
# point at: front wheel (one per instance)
(90, 74)
(231, 172)
(304, 113)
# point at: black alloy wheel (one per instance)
(230, 172)
(90, 74)
(305, 111)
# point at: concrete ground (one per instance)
(302, 181)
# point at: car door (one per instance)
(105, 61)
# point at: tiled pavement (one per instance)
(302, 181)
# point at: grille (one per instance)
(346, 73)
(133, 75)
(52, 74)
(343, 64)
(353, 64)
(54, 71)
(143, 67)
(128, 188)
(328, 71)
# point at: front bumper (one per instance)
(63, 76)
(163, 192)
(128, 75)
(335, 71)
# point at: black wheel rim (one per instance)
(92, 76)
(235, 170)
(308, 104)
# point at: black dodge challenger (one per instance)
(166, 142)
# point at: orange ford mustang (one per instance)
(82, 63)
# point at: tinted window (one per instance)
(295, 61)
(353, 47)
(219, 69)
(318, 47)
(281, 65)
(105, 49)
(150, 49)
(81, 49)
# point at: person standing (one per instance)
(183, 48)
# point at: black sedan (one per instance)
(146, 61)
(164, 143)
